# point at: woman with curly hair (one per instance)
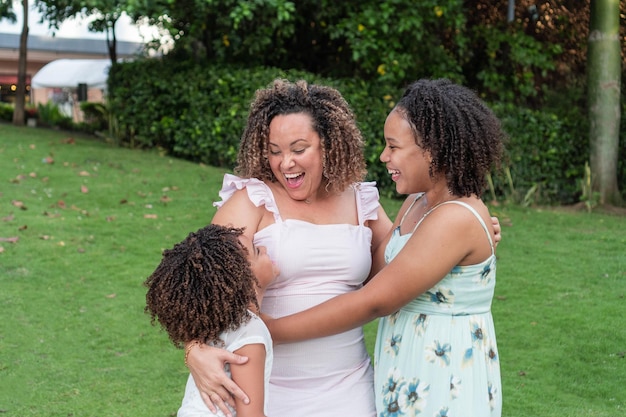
(207, 289)
(436, 352)
(299, 191)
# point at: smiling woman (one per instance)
(299, 193)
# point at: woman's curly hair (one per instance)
(333, 120)
(463, 136)
(202, 287)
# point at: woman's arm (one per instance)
(446, 238)
(206, 365)
(380, 227)
(381, 231)
(251, 378)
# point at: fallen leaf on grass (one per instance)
(19, 204)
(1, 249)
(80, 250)
(110, 218)
(84, 189)
(165, 199)
(84, 174)
(69, 141)
(32, 175)
(12, 239)
(52, 216)
(44, 237)
(31, 146)
(18, 178)
(150, 216)
(22, 228)
(8, 218)
(48, 160)
(61, 204)
(111, 295)
(123, 201)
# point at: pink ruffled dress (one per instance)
(330, 376)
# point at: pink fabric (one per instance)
(330, 376)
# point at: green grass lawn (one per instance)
(83, 223)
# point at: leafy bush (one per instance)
(198, 112)
(509, 65)
(50, 115)
(95, 115)
(546, 154)
(6, 112)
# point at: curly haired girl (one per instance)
(207, 288)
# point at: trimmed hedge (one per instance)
(546, 155)
(198, 112)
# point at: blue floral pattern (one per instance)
(437, 356)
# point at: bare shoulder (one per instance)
(239, 211)
(458, 214)
(457, 225)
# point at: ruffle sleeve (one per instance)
(369, 201)
(258, 193)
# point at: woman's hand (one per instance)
(206, 365)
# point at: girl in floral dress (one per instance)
(436, 352)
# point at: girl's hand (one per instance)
(496, 230)
(206, 364)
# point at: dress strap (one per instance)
(419, 196)
(470, 208)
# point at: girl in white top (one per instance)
(208, 288)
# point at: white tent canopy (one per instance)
(68, 73)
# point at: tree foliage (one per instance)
(106, 13)
(395, 41)
(6, 10)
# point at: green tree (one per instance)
(107, 13)
(393, 41)
(604, 77)
(232, 31)
(6, 10)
